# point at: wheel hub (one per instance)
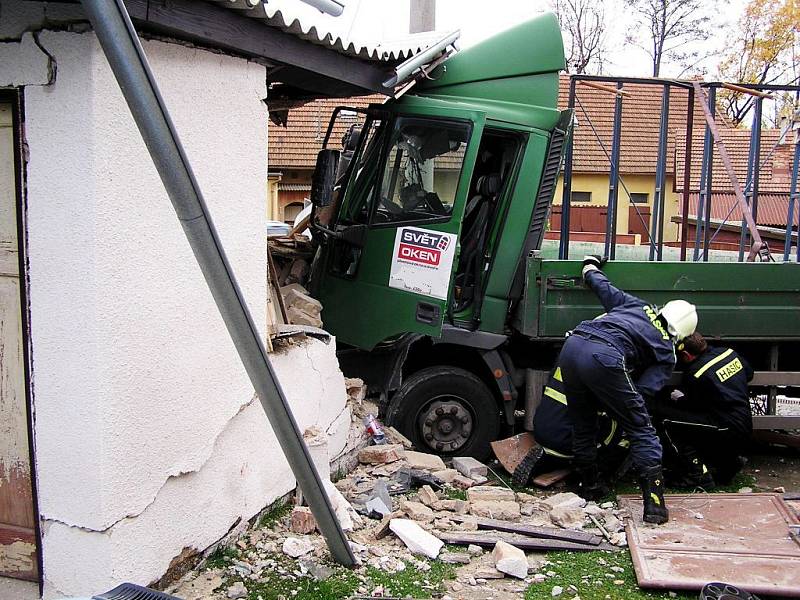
(446, 424)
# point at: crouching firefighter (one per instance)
(598, 360)
(707, 419)
(552, 431)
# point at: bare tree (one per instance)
(672, 27)
(584, 23)
(762, 50)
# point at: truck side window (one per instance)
(421, 170)
(358, 207)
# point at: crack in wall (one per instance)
(167, 479)
(52, 65)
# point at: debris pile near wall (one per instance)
(399, 509)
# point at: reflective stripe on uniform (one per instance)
(557, 375)
(555, 395)
(712, 362)
(610, 436)
(555, 453)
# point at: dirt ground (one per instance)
(774, 467)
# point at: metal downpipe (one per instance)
(121, 45)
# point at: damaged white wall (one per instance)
(148, 440)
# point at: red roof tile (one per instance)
(772, 209)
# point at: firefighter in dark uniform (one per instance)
(633, 339)
(552, 430)
(706, 420)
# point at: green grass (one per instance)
(342, 584)
(274, 513)
(586, 571)
(412, 582)
(452, 493)
(221, 558)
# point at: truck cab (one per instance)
(427, 225)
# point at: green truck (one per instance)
(428, 225)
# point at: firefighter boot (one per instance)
(655, 509)
(589, 485)
(693, 473)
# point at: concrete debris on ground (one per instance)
(395, 504)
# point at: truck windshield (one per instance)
(422, 166)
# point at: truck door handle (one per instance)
(428, 313)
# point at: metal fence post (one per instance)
(566, 193)
(657, 219)
(613, 179)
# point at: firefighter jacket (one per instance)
(632, 326)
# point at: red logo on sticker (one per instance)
(425, 256)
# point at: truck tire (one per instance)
(446, 411)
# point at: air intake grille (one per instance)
(129, 591)
(547, 188)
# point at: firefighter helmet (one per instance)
(681, 318)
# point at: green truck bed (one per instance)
(735, 301)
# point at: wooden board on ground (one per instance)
(548, 479)
(552, 533)
(488, 540)
(740, 539)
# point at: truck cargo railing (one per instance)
(707, 229)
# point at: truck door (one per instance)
(406, 191)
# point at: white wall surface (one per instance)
(148, 440)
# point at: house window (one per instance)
(576, 197)
(638, 198)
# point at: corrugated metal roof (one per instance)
(308, 23)
(772, 209)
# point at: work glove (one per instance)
(592, 262)
(676, 395)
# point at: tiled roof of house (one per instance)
(773, 209)
(296, 145)
(775, 162)
(308, 23)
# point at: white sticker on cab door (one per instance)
(422, 261)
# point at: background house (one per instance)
(131, 436)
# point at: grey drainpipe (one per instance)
(121, 45)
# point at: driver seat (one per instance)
(476, 220)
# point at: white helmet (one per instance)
(681, 318)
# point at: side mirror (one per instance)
(324, 177)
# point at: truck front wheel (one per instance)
(446, 411)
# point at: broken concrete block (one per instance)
(425, 462)
(298, 272)
(568, 517)
(565, 499)
(461, 482)
(416, 538)
(490, 492)
(297, 547)
(417, 511)
(479, 479)
(293, 286)
(398, 438)
(317, 444)
(347, 515)
(456, 506)
(613, 524)
(300, 317)
(474, 550)
(510, 560)
(297, 299)
(505, 510)
(302, 521)
(380, 501)
(455, 558)
(379, 455)
(445, 475)
(488, 573)
(236, 591)
(469, 467)
(427, 496)
(355, 389)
